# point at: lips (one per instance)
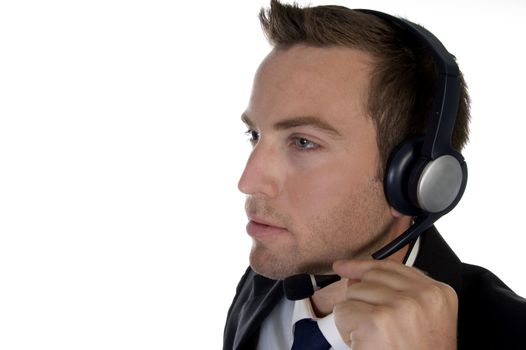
(262, 228)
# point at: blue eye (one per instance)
(253, 136)
(304, 144)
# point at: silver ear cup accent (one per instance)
(439, 184)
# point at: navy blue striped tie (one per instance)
(307, 336)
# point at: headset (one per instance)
(425, 177)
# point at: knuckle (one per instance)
(448, 290)
(450, 294)
(407, 304)
(372, 274)
(382, 317)
(431, 292)
(438, 294)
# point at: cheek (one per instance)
(330, 179)
(317, 190)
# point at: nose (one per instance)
(261, 174)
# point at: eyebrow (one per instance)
(298, 121)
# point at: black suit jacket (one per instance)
(491, 316)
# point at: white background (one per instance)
(121, 226)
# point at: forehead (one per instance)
(330, 82)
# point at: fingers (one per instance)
(355, 269)
(348, 317)
(391, 306)
(370, 292)
(388, 273)
(379, 282)
(362, 325)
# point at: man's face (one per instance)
(313, 194)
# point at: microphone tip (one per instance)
(298, 287)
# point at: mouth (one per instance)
(263, 229)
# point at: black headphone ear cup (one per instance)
(397, 176)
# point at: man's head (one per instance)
(338, 92)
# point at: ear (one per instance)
(396, 214)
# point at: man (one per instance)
(339, 91)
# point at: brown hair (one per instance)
(402, 82)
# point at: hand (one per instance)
(391, 306)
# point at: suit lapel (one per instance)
(264, 296)
(438, 260)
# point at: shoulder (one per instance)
(255, 297)
(489, 311)
(242, 290)
(233, 315)
(480, 287)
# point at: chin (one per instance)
(271, 265)
(278, 267)
(270, 270)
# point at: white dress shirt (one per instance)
(277, 331)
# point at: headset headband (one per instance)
(445, 103)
